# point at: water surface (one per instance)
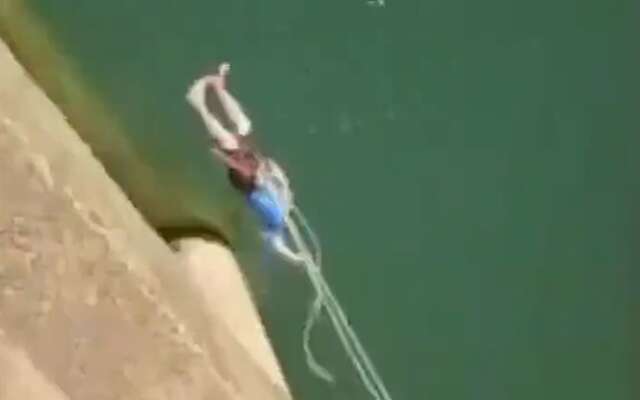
(470, 166)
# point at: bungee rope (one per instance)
(325, 297)
(271, 176)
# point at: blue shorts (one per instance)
(269, 211)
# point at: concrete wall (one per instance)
(93, 304)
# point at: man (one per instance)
(261, 181)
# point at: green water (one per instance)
(470, 166)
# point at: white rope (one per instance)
(315, 307)
(325, 297)
(270, 175)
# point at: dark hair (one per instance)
(244, 172)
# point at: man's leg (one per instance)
(280, 247)
(196, 97)
(231, 105)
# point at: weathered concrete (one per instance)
(93, 304)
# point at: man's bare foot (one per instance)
(219, 80)
(224, 69)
